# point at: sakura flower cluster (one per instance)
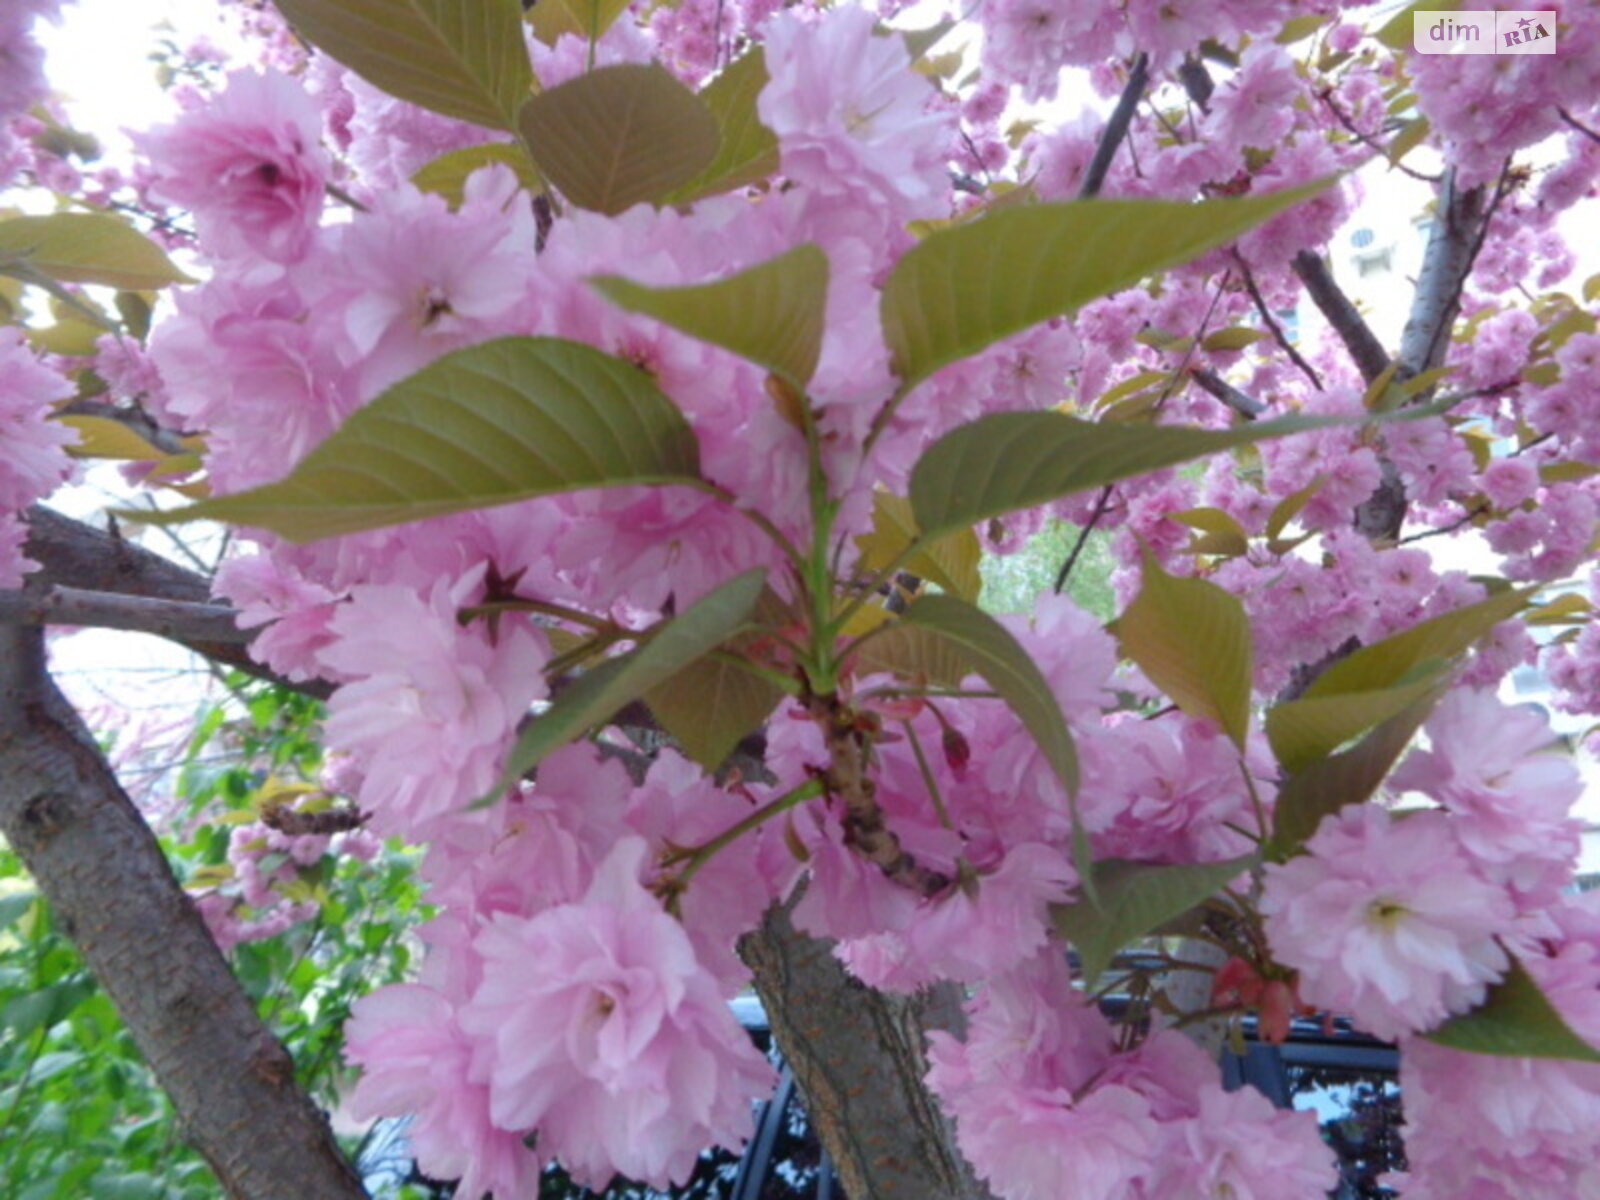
(573, 1005)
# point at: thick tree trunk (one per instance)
(859, 1057)
(230, 1081)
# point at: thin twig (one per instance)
(1273, 327)
(1326, 96)
(1100, 505)
(1578, 125)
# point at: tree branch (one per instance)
(860, 1057)
(1453, 242)
(1272, 325)
(136, 419)
(1116, 128)
(175, 620)
(230, 1081)
(1371, 359)
(76, 556)
(1246, 406)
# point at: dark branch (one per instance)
(1246, 406)
(1116, 128)
(1371, 359)
(135, 418)
(176, 620)
(1578, 125)
(79, 557)
(1273, 327)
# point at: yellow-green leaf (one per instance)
(504, 421)
(596, 696)
(771, 314)
(619, 136)
(1305, 730)
(463, 58)
(447, 175)
(711, 704)
(1133, 900)
(950, 561)
(588, 19)
(1193, 641)
(1408, 139)
(1009, 461)
(748, 151)
(101, 437)
(1348, 777)
(73, 247)
(1392, 661)
(1236, 337)
(1224, 535)
(1291, 505)
(966, 287)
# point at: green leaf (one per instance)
(1408, 139)
(949, 635)
(748, 151)
(588, 19)
(44, 1007)
(711, 704)
(619, 136)
(463, 58)
(596, 695)
(913, 654)
(447, 175)
(1235, 337)
(1393, 661)
(1348, 777)
(966, 287)
(992, 652)
(771, 314)
(73, 247)
(1008, 461)
(1515, 1020)
(920, 41)
(492, 424)
(1311, 728)
(12, 907)
(1291, 505)
(1224, 534)
(951, 561)
(1135, 899)
(1193, 641)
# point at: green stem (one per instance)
(928, 781)
(703, 853)
(546, 607)
(759, 520)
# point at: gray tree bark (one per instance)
(230, 1081)
(859, 1056)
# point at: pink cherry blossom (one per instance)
(428, 707)
(417, 1062)
(1385, 920)
(609, 1036)
(249, 166)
